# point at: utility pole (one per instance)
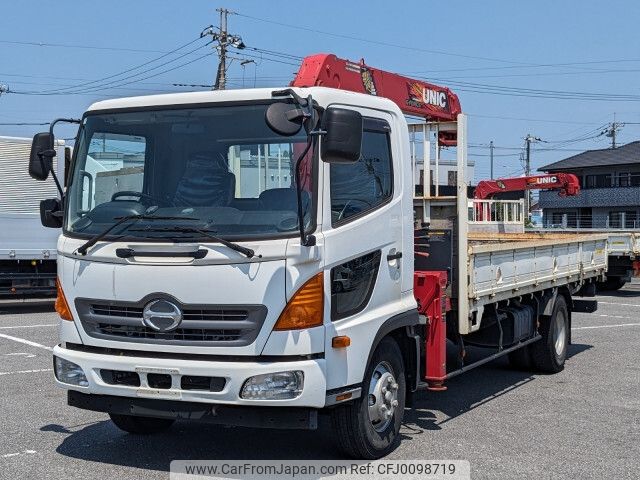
(491, 157)
(527, 170)
(224, 40)
(612, 130)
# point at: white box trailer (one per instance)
(27, 249)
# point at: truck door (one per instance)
(362, 228)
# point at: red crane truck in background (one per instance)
(309, 296)
(567, 185)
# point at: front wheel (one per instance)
(140, 425)
(549, 353)
(368, 427)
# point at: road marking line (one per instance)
(27, 371)
(26, 342)
(614, 316)
(26, 452)
(608, 326)
(20, 354)
(30, 326)
(621, 304)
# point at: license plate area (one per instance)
(159, 383)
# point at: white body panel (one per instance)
(22, 236)
(497, 271)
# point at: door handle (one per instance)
(394, 256)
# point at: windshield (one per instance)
(222, 168)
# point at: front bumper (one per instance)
(296, 418)
(234, 372)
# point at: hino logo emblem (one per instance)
(161, 315)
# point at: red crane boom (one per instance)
(414, 97)
(567, 184)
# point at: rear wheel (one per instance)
(611, 283)
(368, 427)
(549, 353)
(140, 425)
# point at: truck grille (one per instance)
(205, 325)
(184, 334)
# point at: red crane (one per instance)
(414, 97)
(567, 184)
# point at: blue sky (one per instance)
(496, 43)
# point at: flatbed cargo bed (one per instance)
(502, 266)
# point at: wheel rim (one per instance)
(560, 333)
(383, 396)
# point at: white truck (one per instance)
(27, 249)
(205, 289)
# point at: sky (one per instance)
(512, 63)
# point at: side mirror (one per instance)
(342, 141)
(284, 118)
(51, 213)
(41, 157)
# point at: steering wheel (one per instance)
(140, 195)
(349, 202)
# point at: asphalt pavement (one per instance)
(582, 423)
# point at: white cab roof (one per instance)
(323, 95)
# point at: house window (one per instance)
(556, 218)
(624, 179)
(452, 178)
(601, 180)
(623, 219)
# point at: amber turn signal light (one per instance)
(340, 342)
(62, 307)
(306, 307)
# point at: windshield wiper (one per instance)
(82, 249)
(248, 252)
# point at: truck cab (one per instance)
(241, 257)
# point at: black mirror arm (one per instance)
(52, 148)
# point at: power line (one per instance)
(539, 65)
(532, 92)
(275, 60)
(544, 120)
(88, 47)
(377, 42)
(22, 124)
(120, 82)
(100, 82)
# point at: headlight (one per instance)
(69, 373)
(273, 386)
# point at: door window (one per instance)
(363, 186)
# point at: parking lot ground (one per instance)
(581, 423)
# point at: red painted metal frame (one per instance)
(414, 97)
(429, 291)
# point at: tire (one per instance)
(521, 359)
(611, 284)
(140, 425)
(364, 431)
(549, 353)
